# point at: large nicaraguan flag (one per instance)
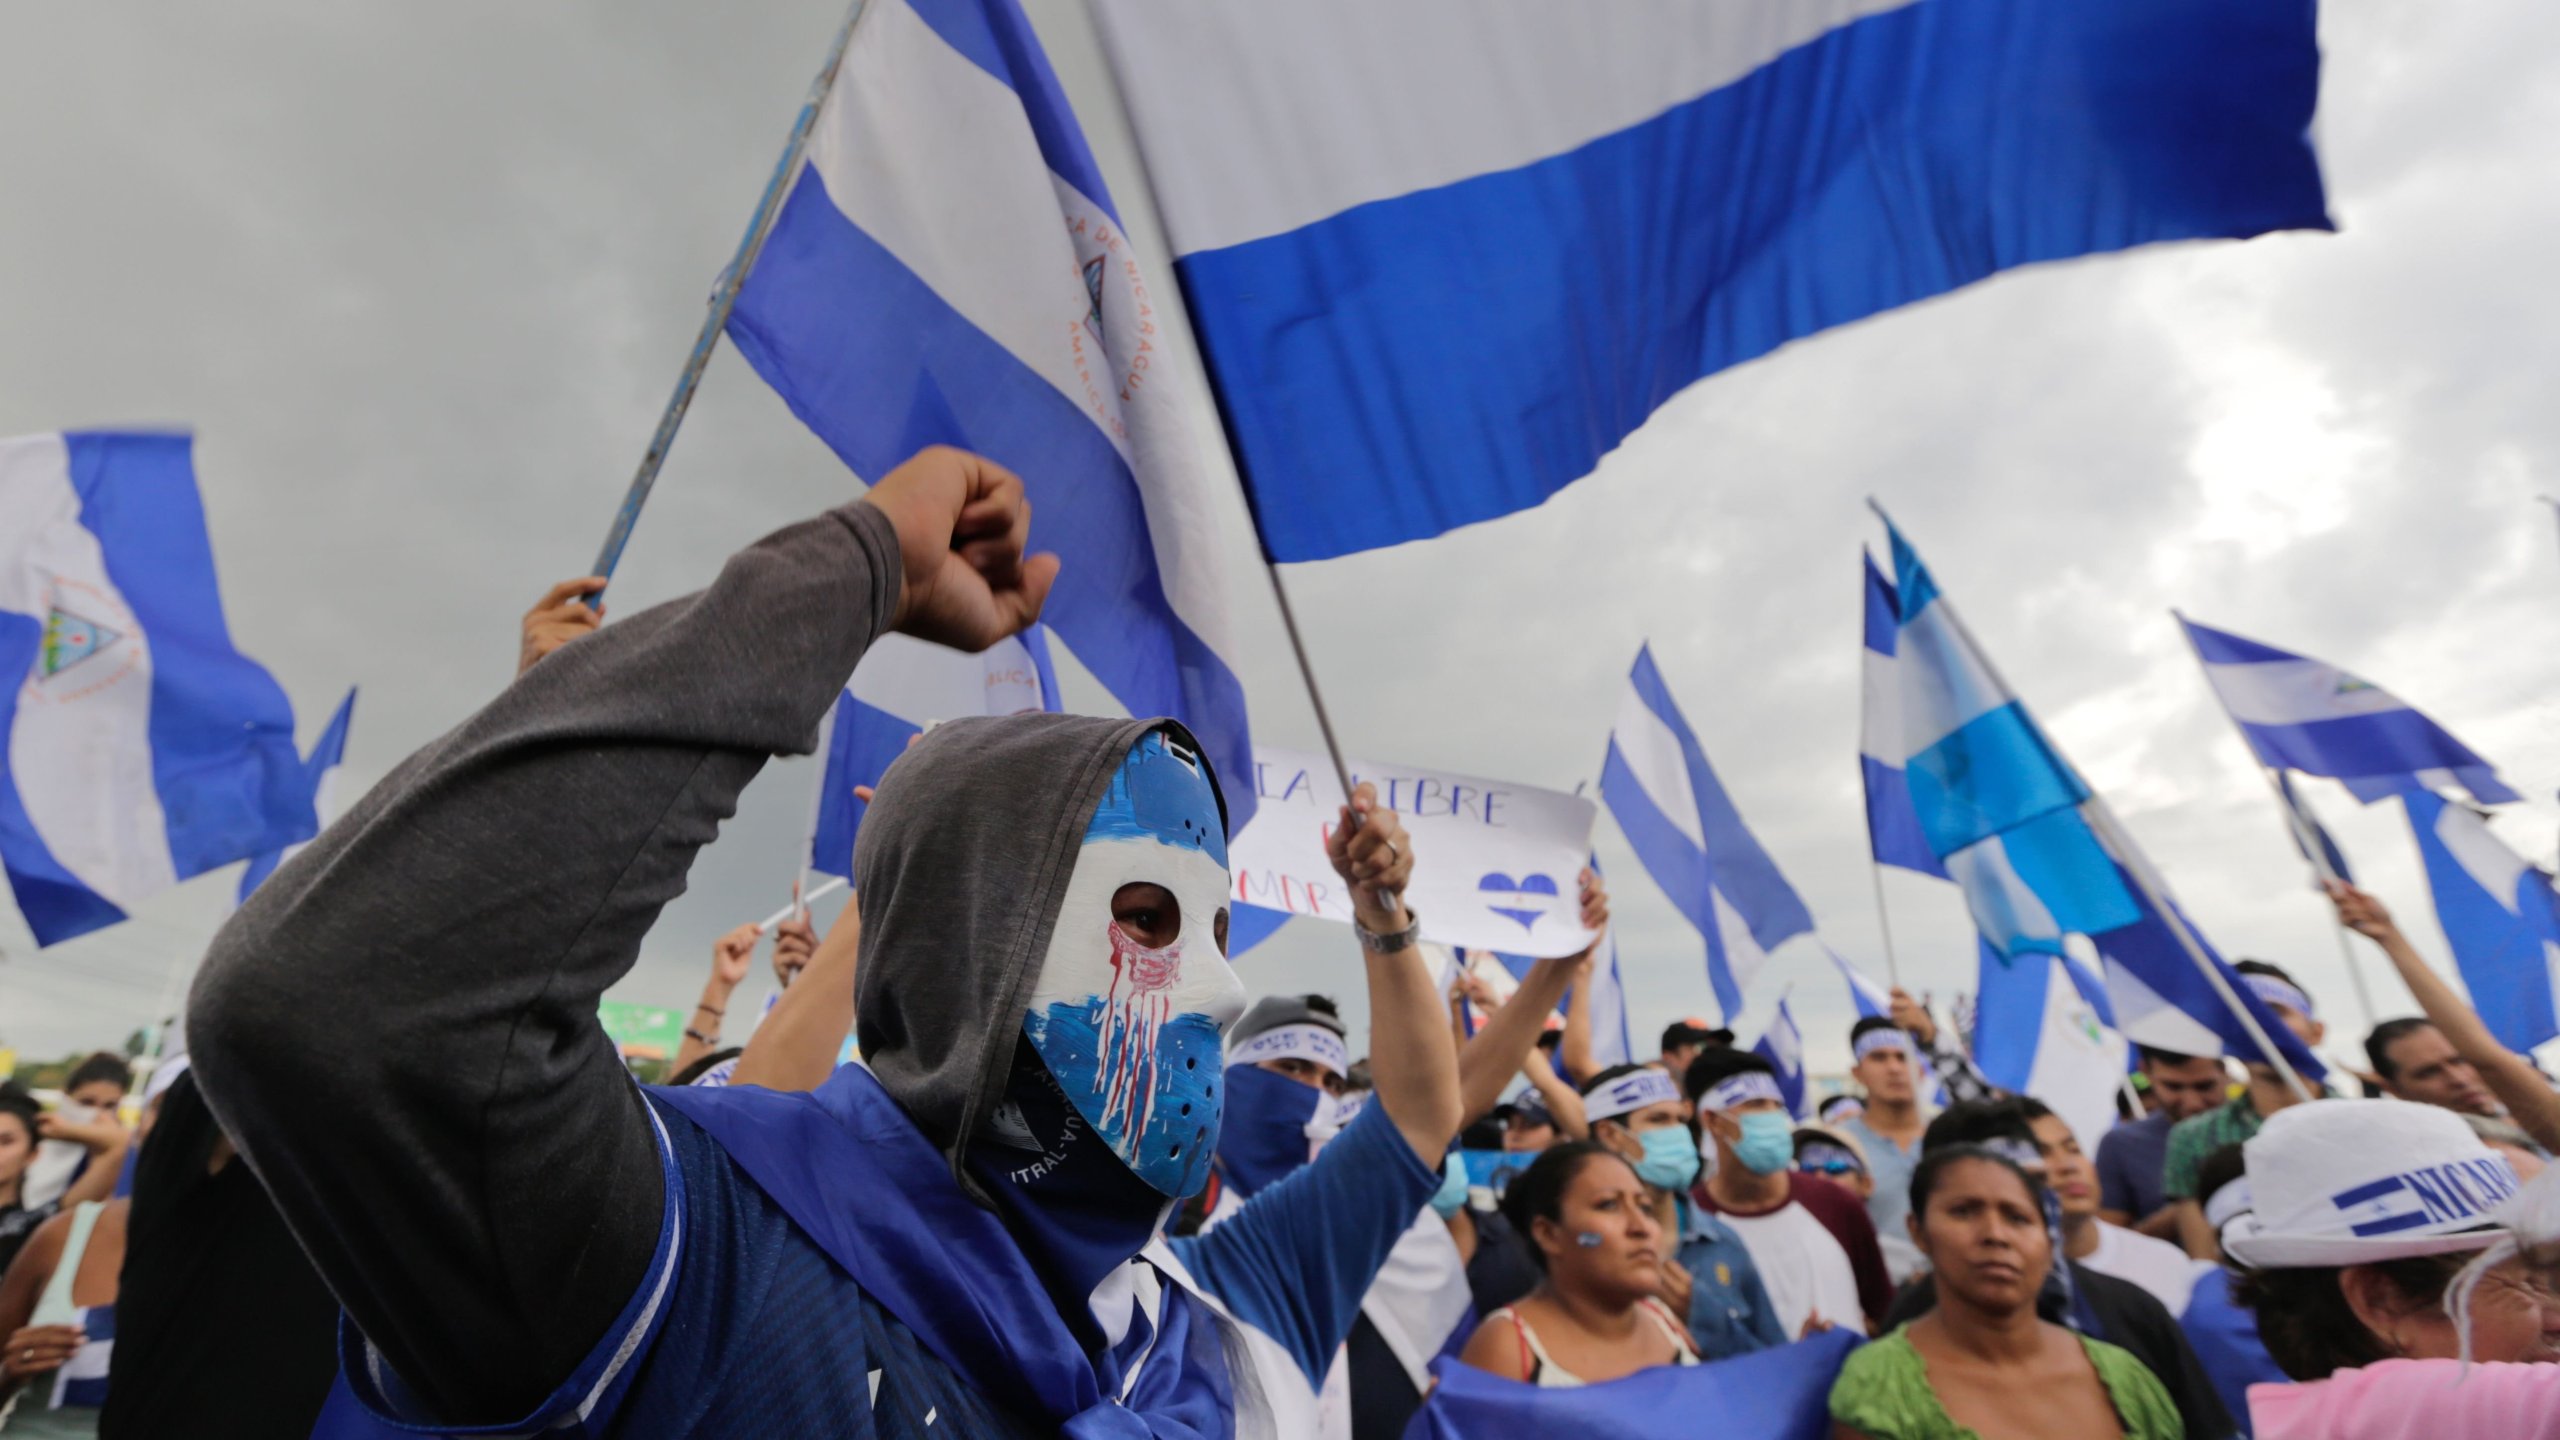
(2304, 714)
(2499, 914)
(1893, 828)
(903, 686)
(142, 748)
(1446, 254)
(950, 269)
(320, 768)
(1782, 1393)
(1681, 824)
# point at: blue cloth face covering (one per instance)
(1670, 1158)
(1768, 1142)
(1131, 1031)
(1264, 1135)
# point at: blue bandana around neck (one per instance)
(1262, 1138)
(854, 1173)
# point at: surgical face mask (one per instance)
(1451, 1197)
(1670, 1159)
(1132, 1031)
(1768, 1143)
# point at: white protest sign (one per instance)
(1494, 863)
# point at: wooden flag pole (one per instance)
(724, 299)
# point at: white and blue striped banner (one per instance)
(320, 767)
(1681, 824)
(2304, 714)
(949, 269)
(142, 748)
(1446, 254)
(1893, 827)
(2500, 915)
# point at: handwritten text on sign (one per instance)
(1494, 863)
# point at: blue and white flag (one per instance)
(1444, 255)
(142, 748)
(1781, 1393)
(1869, 998)
(2305, 823)
(949, 269)
(2162, 1000)
(2499, 914)
(1893, 827)
(1782, 1045)
(1677, 818)
(320, 768)
(1992, 797)
(902, 686)
(2304, 714)
(2035, 1032)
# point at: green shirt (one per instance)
(2191, 1140)
(1883, 1393)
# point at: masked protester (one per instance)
(961, 1236)
(1811, 1240)
(1286, 1072)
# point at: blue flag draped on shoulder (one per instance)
(2500, 915)
(949, 269)
(142, 748)
(1782, 1393)
(1893, 828)
(902, 686)
(2304, 714)
(1681, 824)
(320, 768)
(1444, 255)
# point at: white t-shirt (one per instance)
(2155, 1265)
(1802, 1265)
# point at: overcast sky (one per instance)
(420, 277)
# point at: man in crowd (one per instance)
(2235, 1120)
(1682, 1039)
(2415, 1062)
(2155, 1265)
(1884, 1061)
(960, 1236)
(1811, 1239)
(2132, 1156)
(1527, 1128)
(2222, 1332)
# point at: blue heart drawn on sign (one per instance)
(1525, 897)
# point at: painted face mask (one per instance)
(1132, 1031)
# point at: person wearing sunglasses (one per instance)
(1838, 1158)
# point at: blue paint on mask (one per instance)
(1161, 794)
(1178, 1118)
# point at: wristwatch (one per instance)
(1404, 939)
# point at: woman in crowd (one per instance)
(24, 1126)
(2365, 1214)
(57, 1314)
(1597, 1313)
(1981, 1363)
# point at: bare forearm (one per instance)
(1411, 1059)
(797, 1045)
(1575, 1050)
(702, 1027)
(1489, 1059)
(2529, 1099)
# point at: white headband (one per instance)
(2275, 992)
(1882, 1039)
(2228, 1204)
(1629, 1092)
(1295, 1042)
(1736, 1090)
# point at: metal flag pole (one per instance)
(2316, 854)
(724, 299)
(2128, 859)
(1884, 921)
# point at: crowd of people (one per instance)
(401, 1182)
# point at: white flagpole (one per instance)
(800, 904)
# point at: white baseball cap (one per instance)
(2351, 1182)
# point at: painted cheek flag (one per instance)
(949, 269)
(320, 768)
(1445, 255)
(1781, 1393)
(142, 748)
(1893, 827)
(1990, 794)
(902, 686)
(1782, 1045)
(2302, 714)
(2499, 914)
(1676, 816)
(2036, 1033)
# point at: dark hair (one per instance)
(14, 1100)
(1612, 1073)
(105, 1065)
(2377, 1046)
(2224, 1165)
(1721, 1062)
(2154, 1055)
(1936, 1160)
(2261, 967)
(1537, 1193)
(2307, 1325)
(1322, 1005)
(1978, 1122)
(1866, 1024)
(694, 1071)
